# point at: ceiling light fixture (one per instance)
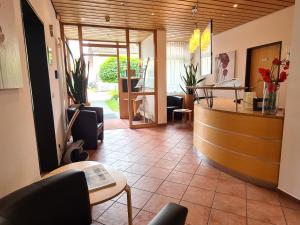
(152, 14)
(235, 5)
(123, 3)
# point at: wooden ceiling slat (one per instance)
(172, 15)
(149, 8)
(100, 15)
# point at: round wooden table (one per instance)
(184, 112)
(105, 194)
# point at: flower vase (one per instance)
(271, 97)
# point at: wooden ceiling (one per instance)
(175, 16)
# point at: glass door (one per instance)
(142, 93)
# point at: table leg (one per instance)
(129, 206)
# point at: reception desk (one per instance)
(246, 144)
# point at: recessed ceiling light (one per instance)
(82, 19)
(122, 3)
(235, 5)
(152, 14)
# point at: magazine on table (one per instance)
(98, 177)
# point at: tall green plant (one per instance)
(77, 79)
(190, 78)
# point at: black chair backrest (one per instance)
(59, 200)
(175, 101)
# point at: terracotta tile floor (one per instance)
(162, 167)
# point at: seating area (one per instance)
(138, 112)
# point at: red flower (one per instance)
(282, 76)
(276, 61)
(271, 87)
(265, 73)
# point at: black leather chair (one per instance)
(89, 126)
(174, 102)
(64, 200)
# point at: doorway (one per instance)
(110, 53)
(40, 88)
(257, 57)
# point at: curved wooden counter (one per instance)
(246, 143)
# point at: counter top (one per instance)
(227, 105)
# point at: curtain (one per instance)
(177, 55)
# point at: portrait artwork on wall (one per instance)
(225, 66)
(10, 63)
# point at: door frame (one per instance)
(248, 61)
(39, 81)
(117, 46)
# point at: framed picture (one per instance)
(225, 66)
(10, 63)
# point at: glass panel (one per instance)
(100, 51)
(142, 60)
(103, 34)
(143, 109)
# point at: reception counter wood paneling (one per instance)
(247, 144)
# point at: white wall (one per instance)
(271, 28)
(289, 177)
(19, 159)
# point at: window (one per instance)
(177, 56)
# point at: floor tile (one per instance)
(121, 165)
(287, 202)
(191, 159)
(208, 171)
(197, 214)
(166, 164)
(227, 177)
(292, 216)
(138, 169)
(232, 188)
(131, 178)
(262, 194)
(199, 196)
(186, 168)
(157, 202)
(179, 177)
(131, 157)
(159, 173)
(173, 157)
(148, 184)
(171, 189)
(229, 203)
(218, 217)
(143, 218)
(116, 215)
(138, 198)
(204, 182)
(97, 210)
(265, 212)
(256, 222)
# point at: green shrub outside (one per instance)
(108, 71)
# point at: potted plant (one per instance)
(189, 80)
(272, 78)
(77, 79)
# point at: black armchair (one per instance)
(174, 102)
(88, 126)
(64, 200)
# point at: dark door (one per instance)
(261, 56)
(40, 88)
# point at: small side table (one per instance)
(185, 113)
(105, 194)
